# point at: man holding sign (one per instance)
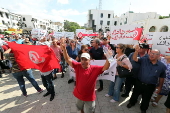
(86, 76)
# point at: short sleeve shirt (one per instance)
(149, 73)
(86, 81)
(96, 54)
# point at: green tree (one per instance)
(71, 26)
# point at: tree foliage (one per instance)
(71, 26)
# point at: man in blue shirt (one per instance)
(130, 81)
(151, 72)
(17, 40)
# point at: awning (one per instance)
(9, 32)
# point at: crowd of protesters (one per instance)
(151, 70)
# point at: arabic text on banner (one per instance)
(123, 34)
(161, 41)
(106, 75)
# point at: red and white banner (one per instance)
(80, 34)
(125, 34)
(161, 41)
(34, 56)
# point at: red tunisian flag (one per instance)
(138, 33)
(39, 57)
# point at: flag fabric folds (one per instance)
(39, 57)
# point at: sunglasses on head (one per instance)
(26, 42)
(72, 41)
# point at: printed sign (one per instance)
(161, 41)
(70, 35)
(86, 40)
(106, 75)
(125, 34)
(58, 35)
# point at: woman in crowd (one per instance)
(123, 61)
(84, 49)
(166, 86)
(73, 53)
(58, 53)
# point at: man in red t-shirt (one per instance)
(86, 76)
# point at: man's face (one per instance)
(85, 62)
(154, 55)
(94, 44)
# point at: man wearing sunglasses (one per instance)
(151, 71)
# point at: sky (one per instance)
(77, 10)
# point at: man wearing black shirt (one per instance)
(97, 54)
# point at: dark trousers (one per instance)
(48, 83)
(101, 83)
(146, 90)
(167, 102)
(129, 83)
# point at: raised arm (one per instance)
(106, 65)
(135, 55)
(65, 54)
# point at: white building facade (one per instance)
(100, 20)
(8, 19)
(104, 19)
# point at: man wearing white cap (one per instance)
(86, 76)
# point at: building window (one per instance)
(25, 25)
(3, 22)
(101, 22)
(108, 15)
(152, 29)
(108, 23)
(24, 19)
(164, 29)
(115, 23)
(12, 17)
(113, 15)
(101, 15)
(13, 24)
(125, 21)
(7, 15)
(120, 23)
(1, 14)
(8, 23)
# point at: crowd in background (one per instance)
(151, 70)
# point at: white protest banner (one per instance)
(124, 34)
(42, 33)
(70, 35)
(86, 40)
(34, 33)
(147, 37)
(106, 75)
(161, 41)
(57, 35)
(89, 32)
(80, 31)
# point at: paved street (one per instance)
(11, 100)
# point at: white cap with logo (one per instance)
(85, 55)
